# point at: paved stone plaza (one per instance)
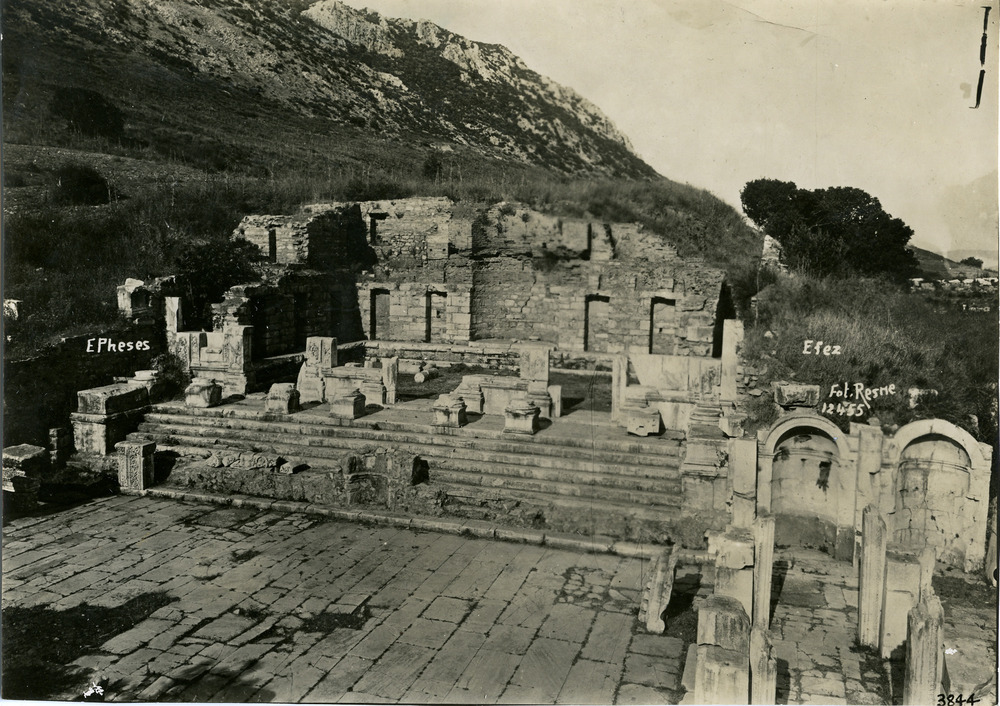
(249, 604)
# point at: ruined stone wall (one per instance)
(334, 238)
(415, 311)
(287, 310)
(447, 273)
(40, 392)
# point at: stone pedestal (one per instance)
(642, 421)
(106, 415)
(349, 406)
(521, 417)
(135, 464)
(24, 466)
(203, 393)
(282, 398)
(449, 411)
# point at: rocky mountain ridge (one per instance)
(321, 61)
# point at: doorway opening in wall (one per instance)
(661, 326)
(724, 310)
(378, 322)
(595, 323)
(373, 219)
(435, 317)
(272, 245)
(583, 392)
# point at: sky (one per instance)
(875, 94)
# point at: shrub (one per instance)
(80, 185)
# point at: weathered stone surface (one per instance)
(112, 399)
(349, 406)
(763, 668)
(871, 580)
(723, 621)
(642, 421)
(521, 417)
(902, 591)
(135, 464)
(203, 393)
(791, 394)
(924, 652)
(449, 411)
(762, 570)
(282, 398)
(722, 676)
(24, 467)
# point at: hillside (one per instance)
(239, 85)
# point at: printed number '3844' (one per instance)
(956, 700)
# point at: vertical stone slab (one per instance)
(924, 650)
(174, 314)
(871, 578)
(534, 363)
(619, 379)
(734, 566)
(732, 338)
(743, 472)
(763, 668)
(722, 676)
(390, 377)
(762, 568)
(902, 588)
(135, 464)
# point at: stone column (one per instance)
(390, 376)
(902, 589)
(763, 668)
(734, 566)
(135, 464)
(871, 579)
(923, 652)
(762, 566)
(743, 471)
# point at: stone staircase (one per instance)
(574, 482)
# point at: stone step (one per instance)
(596, 493)
(597, 478)
(656, 447)
(451, 470)
(638, 461)
(472, 496)
(201, 436)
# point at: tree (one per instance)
(971, 262)
(835, 231)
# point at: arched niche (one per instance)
(806, 480)
(933, 480)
